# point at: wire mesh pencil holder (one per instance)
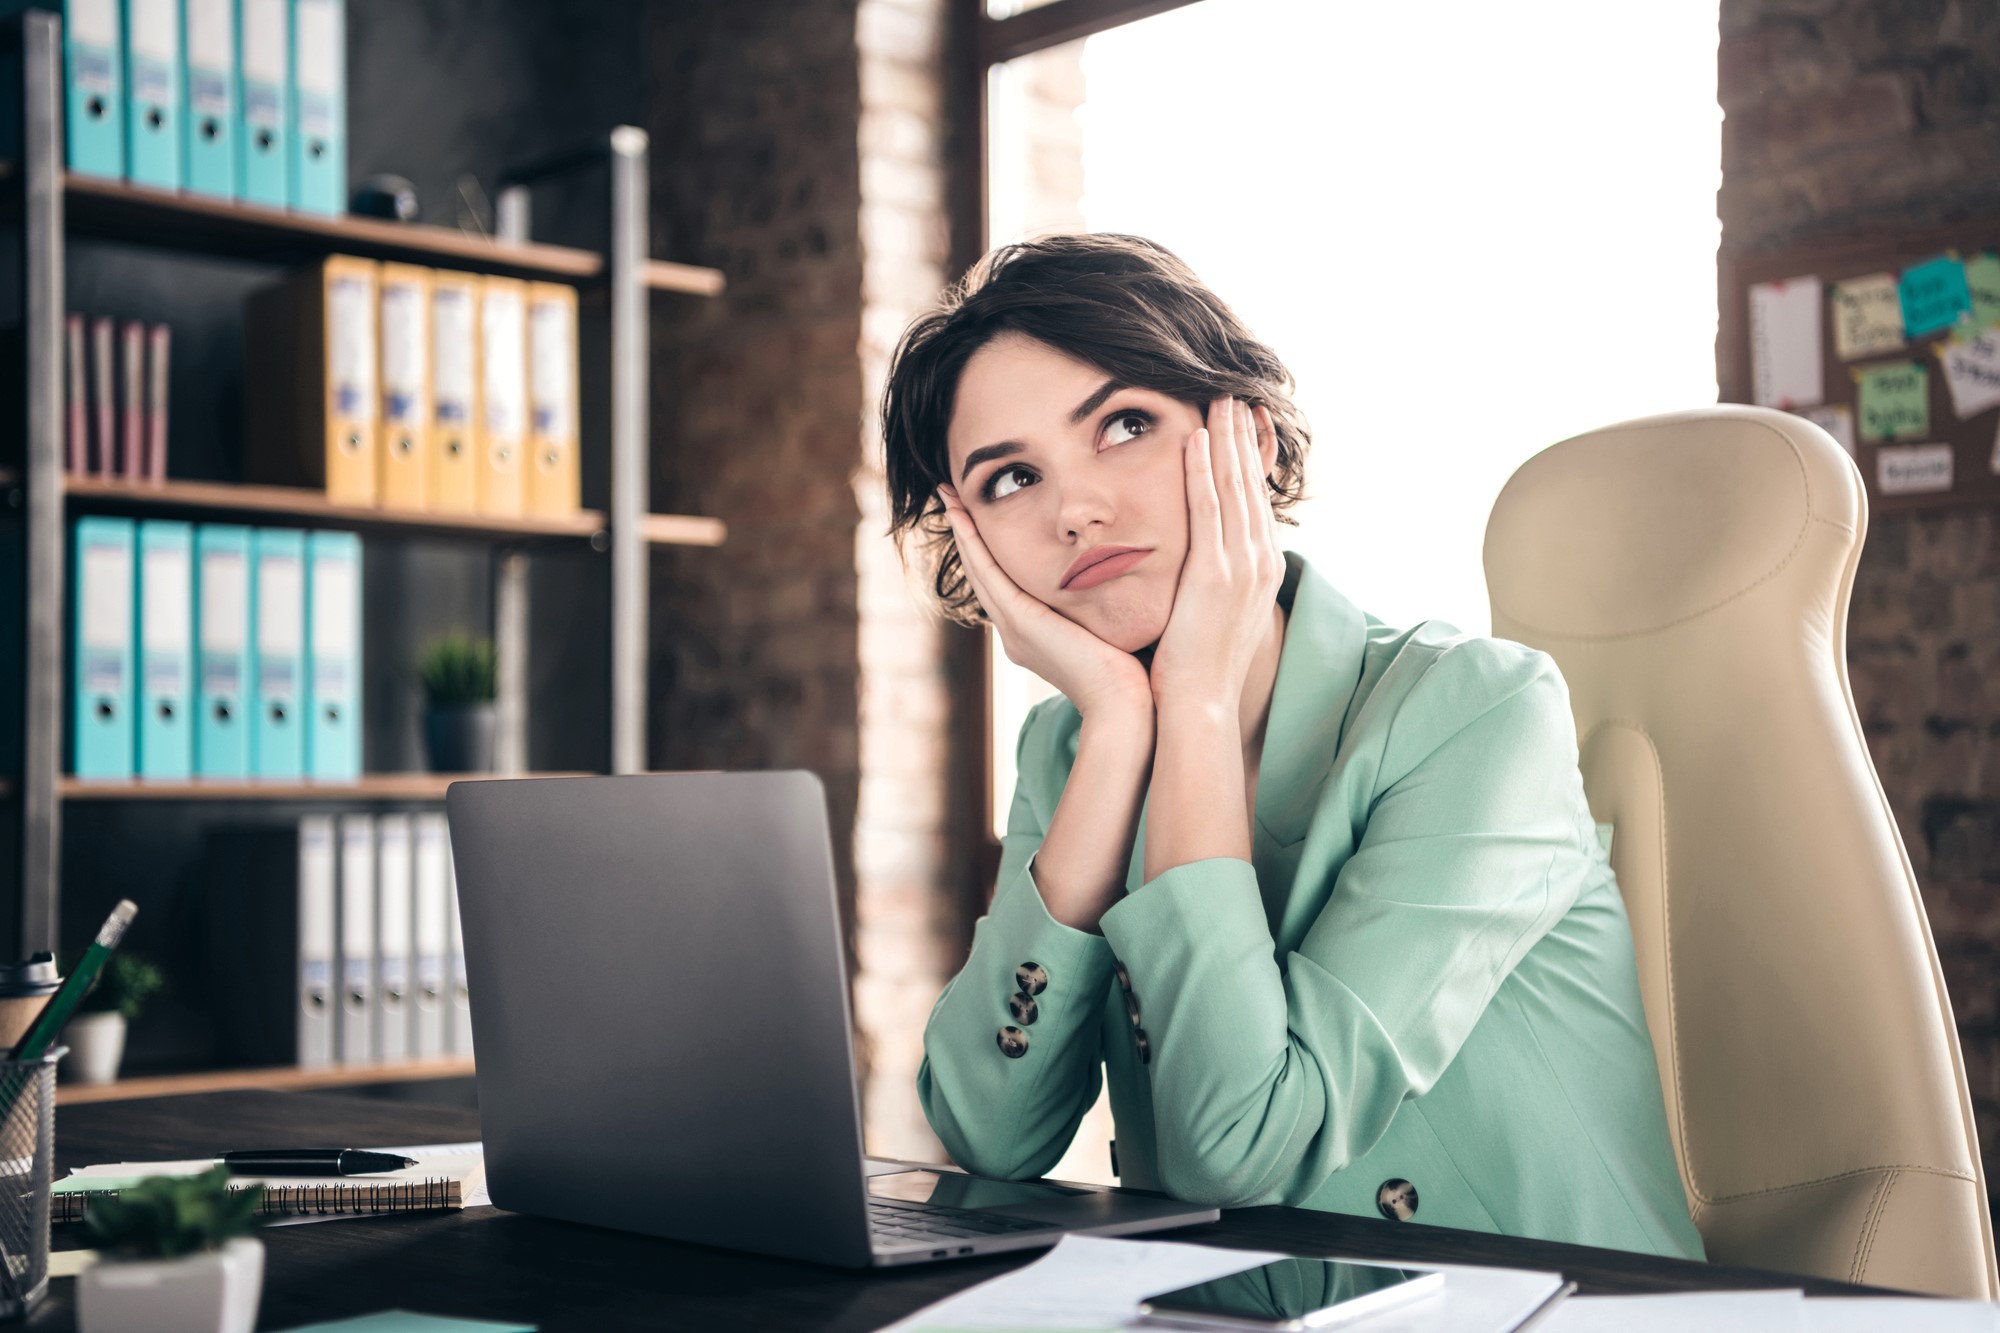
(27, 1160)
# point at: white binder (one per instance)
(459, 1008)
(316, 936)
(431, 937)
(392, 937)
(356, 1028)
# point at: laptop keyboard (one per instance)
(899, 1222)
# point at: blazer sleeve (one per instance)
(1012, 1117)
(1267, 1080)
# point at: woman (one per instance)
(1323, 898)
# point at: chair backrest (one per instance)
(1690, 574)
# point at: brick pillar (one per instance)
(1843, 115)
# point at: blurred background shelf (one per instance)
(232, 1080)
(229, 498)
(373, 787)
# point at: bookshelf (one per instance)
(47, 205)
(282, 1078)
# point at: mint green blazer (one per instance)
(1418, 999)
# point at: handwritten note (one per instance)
(1867, 316)
(1972, 373)
(1837, 420)
(1785, 343)
(1982, 279)
(1913, 469)
(1895, 401)
(1934, 296)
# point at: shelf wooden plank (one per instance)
(311, 506)
(115, 210)
(280, 1079)
(371, 787)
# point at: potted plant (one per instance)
(178, 1258)
(459, 681)
(96, 1036)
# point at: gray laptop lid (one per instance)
(659, 1007)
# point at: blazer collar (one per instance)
(1319, 669)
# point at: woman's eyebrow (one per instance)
(1095, 401)
(1006, 447)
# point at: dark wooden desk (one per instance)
(484, 1263)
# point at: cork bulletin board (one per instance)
(1891, 342)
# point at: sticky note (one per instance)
(1972, 372)
(1785, 343)
(1867, 316)
(1934, 296)
(1913, 469)
(1837, 420)
(1894, 401)
(1982, 279)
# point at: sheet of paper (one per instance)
(403, 1321)
(1982, 279)
(1084, 1283)
(1934, 296)
(1837, 420)
(1871, 1314)
(477, 1196)
(1867, 316)
(1972, 373)
(1785, 343)
(68, 1263)
(1682, 1312)
(1913, 469)
(1895, 401)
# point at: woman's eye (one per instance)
(1131, 424)
(994, 490)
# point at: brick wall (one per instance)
(1842, 115)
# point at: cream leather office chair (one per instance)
(1690, 574)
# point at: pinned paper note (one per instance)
(1785, 343)
(1982, 279)
(1895, 401)
(1913, 469)
(1837, 420)
(1867, 316)
(1972, 373)
(1934, 296)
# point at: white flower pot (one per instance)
(213, 1292)
(96, 1045)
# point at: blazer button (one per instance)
(1031, 979)
(1124, 977)
(1145, 1047)
(1132, 1009)
(1024, 1010)
(1013, 1043)
(1397, 1200)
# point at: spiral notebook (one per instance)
(442, 1179)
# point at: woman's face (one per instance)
(1054, 459)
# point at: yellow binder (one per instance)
(500, 485)
(406, 385)
(309, 380)
(454, 327)
(553, 479)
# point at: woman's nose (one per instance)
(1080, 505)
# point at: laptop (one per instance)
(662, 1037)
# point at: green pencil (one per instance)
(41, 1033)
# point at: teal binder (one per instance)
(101, 688)
(94, 88)
(222, 651)
(153, 93)
(333, 656)
(263, 101)
(277, 653)
(208, 96)
(163, 627)
(319, 106)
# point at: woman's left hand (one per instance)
(1229, 583)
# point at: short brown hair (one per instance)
(1120, 303)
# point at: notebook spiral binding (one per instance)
(432, 1194)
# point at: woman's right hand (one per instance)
(1092, 674)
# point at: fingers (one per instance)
(989, 582)
(1204, 508)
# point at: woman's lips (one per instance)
(1105, 570)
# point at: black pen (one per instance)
(314, 1162)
